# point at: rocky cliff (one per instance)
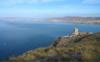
(84, 48)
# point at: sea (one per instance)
(19, 37)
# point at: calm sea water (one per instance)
(18, 37)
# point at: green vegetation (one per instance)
(85, 50)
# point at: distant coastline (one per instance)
(81, 20)
(67, 19)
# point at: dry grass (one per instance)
(86, 50)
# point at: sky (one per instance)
(49, 8)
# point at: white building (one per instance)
(75, 31)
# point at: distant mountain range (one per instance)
(67, 19)
(76, 19)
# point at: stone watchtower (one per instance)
(75, 31)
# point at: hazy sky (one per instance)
(49, 8)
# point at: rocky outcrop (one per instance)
(85, 48)
(71, 39)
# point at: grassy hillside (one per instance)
(86, 49)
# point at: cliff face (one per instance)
(72, 49)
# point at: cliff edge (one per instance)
(81, 48)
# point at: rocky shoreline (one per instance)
(85, 48)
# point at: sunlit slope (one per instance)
(84, 49)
